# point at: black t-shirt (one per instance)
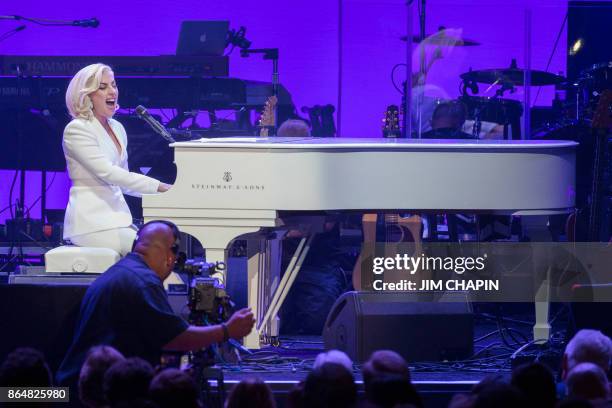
(126, 308)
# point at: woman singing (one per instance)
(95, 146)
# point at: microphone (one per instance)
(90, 22)
(142, 113)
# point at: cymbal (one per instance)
(437, 39)
(514, 76)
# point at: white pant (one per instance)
(118, 239)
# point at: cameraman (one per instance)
(127, 308)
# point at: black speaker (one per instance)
(360, 323)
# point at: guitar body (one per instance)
(398, 231)
(368, 226)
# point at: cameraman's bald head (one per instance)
(154, 243)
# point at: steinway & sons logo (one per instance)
(227, 185)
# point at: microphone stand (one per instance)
(407, 86)
(268, 54)
(11, 32)
(51, 22)
(421, 77)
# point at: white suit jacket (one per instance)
(99, 178)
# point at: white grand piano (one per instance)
(245, 187)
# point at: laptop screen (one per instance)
(202, 38)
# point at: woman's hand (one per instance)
(163, 187)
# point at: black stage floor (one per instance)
(282, 368)
(499, 343)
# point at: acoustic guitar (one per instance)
(397, 229)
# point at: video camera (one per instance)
(208, 301)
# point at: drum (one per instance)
(506, 112)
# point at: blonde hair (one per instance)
(86, 81)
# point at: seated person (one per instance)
(293, 128)
(25, 367)
(95, 147)
(91, 380)
(587, 346)
(587, 381)
(333, 356)
(330, 385)
(174, 388)
(250, 392)
(447, 121)
(128, 309)
(537, 384)
(126, 383)
(386, 380)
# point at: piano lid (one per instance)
(370, 143)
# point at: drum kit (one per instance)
(587, 93)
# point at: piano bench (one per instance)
(74, 259)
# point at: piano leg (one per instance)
(265, 293)
(263, 257)
(263, 275)
(216, 240)
(541, 328)
(280, 294)
(536, 228)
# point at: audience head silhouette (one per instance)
(91, 379)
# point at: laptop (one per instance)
(201, 38)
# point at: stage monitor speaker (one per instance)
(360, 323)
